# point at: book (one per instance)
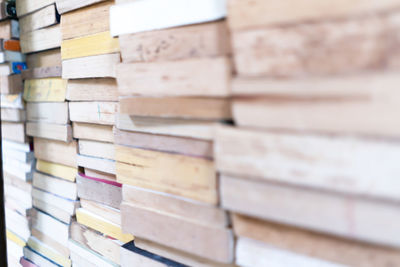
(13, 115)
(56, 151)
(48, 252)
(101, 89)
(86, 20)
(12, 101)
(96, 132)
(165, 172)
(134, 16)
(10, 45)
(56, 113)
(25, 7)
(213, 109)
(93, 112)
(176, 43)
(55, 185)
(165, 143)
(99, 66)
(58, 170)
(97, 149)
(68, 206)
(65, 6)
(48, 58)
(175, 78)
(42, 18)
(33, 256)
(309, 161)
(40, 40)
(9, 29)
(45, 90)
(86, 257)
(91, 45)
(43, 72)
(212, 243)
(100, 190)
(11, 56)
(60, 132)
(96, 163)
(11, 84)
(12, 68)
(13, 131)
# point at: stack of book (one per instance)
(89, 59)
(310, 172)
(17, 155)
(54, 193)
(173, 86)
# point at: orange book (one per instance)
(12, 45)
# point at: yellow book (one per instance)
(97, 223)
(14, 238)
(58, 170)
(45, 90)
(92, 45)
(48, 252)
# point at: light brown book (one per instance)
(48, 58)
(94, 132)
(86, 21)
(184, 176)
(210, 242)
(42, 18)
(321, 162)
(257, 53)
(95, 163)
(189, 77)
(99, 175)
(342, 251)
(41, 39)
(56, 151)
(99, 190)
(102, 89)
(177, 107)
(195, 41)
(50, 131)
(56, 113)
(55, 185)
(100, 66)
(260, 13)
(11, 84)
(97, 149)
(165, 143)
(342, 215)
(44, 72)
(93, 112)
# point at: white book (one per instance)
(14, 250)
(7, 144)
(11, 56)
(148, 15)
(38, 259)
(17, 224)
(12, 101)
(18, 155)
(51, 227)
(26, 167)
(89, 255)
(18, 173)
(64, 204)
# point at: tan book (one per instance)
(11, 84)
(257, 53)
(41, 39)
(55, 185)
(56, 113)
(28, 6)
(43, 72)
(100, 175)
(93, 112)
(184, 176)
(92, 90)
(175, 206)
(94, 132)
(260, 13)
(342, 215)
(96, 189)
(296, 240)
(56, 151)
(210, 242)
(177, 107)
(321, 162)
(197, 129)
(189, 77)
(86, 21)
(50, 131)
(197, 41)
(165, 143)
(100, 66)
(42, 18)
(48, 58)
(95, 163)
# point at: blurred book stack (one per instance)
(173, 87)
(89, 59)
(309, 172)
(17, 155)
(54, 193)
